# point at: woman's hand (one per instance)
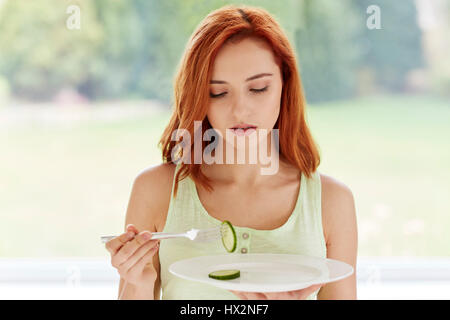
(301, 294)
(130, 254)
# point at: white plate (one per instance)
(263, 272)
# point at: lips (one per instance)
(243, 126)
(244, 129)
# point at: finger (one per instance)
(116, 243)
(138, 254)
(113, 246)
(255, 296)
(142, 262)
(130, 247)
(316, 287)
(304, 293)
(262, 296)
(132, 228)
(239, 294)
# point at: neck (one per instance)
(248, 173)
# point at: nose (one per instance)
(240, 107)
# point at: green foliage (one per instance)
(134, 58)
(131, 48)
(394, 49)
(326, 49)
(38, 53)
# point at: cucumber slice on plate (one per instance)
(225, 274)
(229, 239)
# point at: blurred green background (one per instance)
(82, 110)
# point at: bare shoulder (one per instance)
(160, 173)
(150, 197)
(338, 205)
(334, 189)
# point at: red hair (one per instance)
(191, 88)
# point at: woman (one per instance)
(238, 70)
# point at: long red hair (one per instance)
(191, 88)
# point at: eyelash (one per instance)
(256, 91)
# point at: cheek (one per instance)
(216, 116)
(269, 106)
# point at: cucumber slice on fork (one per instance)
(229, 238)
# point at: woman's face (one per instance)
(245, 87)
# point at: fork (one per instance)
(200, 235)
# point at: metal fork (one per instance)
(200, 235)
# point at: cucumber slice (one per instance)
(225, 274)
(229, 239)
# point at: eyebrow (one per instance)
(259, 75)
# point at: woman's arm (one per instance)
(341, 236)
(149, 198)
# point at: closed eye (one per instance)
(217, 95)
(257, 91)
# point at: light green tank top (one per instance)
(301, 234)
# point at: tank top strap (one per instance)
(177, 168)
(310, 205)
(180, 211)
